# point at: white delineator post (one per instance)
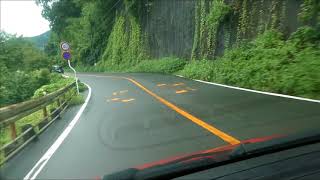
(75, 76)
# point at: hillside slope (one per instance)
(41, 40)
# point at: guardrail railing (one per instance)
(10, 115)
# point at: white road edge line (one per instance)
(45, 158)
(255, 91)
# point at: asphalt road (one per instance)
(132, 119)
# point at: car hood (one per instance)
(184, 162)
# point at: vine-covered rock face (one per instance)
(125, 44)
(187, 29)
(204, 29)
(167, 25)
(222, 24)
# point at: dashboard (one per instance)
(297, 163)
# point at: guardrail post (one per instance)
(13, 130)
(58, 102)
(45, 112)
(13, 113)
(64, 97)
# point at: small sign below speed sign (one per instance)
(66, 55)
(65, 46)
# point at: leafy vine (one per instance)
(205, 37)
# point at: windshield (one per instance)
(90, 88)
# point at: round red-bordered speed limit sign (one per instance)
(64, 46)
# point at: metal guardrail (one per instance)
(11, 114)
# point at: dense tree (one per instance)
(85, 24)
(58, 12)
(23, 67)
(19, 54)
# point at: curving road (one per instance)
(132, 119)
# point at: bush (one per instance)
(76, 100)
(164, 65)
(57, 82)
(19, 86)
(198, 70)
(41, 76)
(268, 63)
(82, 87)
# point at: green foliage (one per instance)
(206, 27)
(16, 53)
(253, 20)
(4, 91)
(274, 24)
(125, 47)
(218, 12)
(243, 21)
(261, 22)
(269, 63)
(19, 86)
(51, 49)
(57, 82)
(255, 17)
(164, 65)
(198, 70)
(283, 16)
(117, 43)
(110, 34)
(85, 24)
(196, 31)
(4, 138)
(76, 100)
(42, 76)
(82, 87)
(88, 24)
(39, 41)
(310, 12)
(56, 12)
(306, 37)
(35, 118)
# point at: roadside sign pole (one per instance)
(75, 75)
(65, 47)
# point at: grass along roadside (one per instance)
(268, 63)
(164, 65)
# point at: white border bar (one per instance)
(255, 91)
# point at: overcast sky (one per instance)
(22, 17)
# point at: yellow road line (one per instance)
(213, 130)
(124, 91)
(159, 85)
(178, 84)
(194, 119)
(181, 91)
(128, 100)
